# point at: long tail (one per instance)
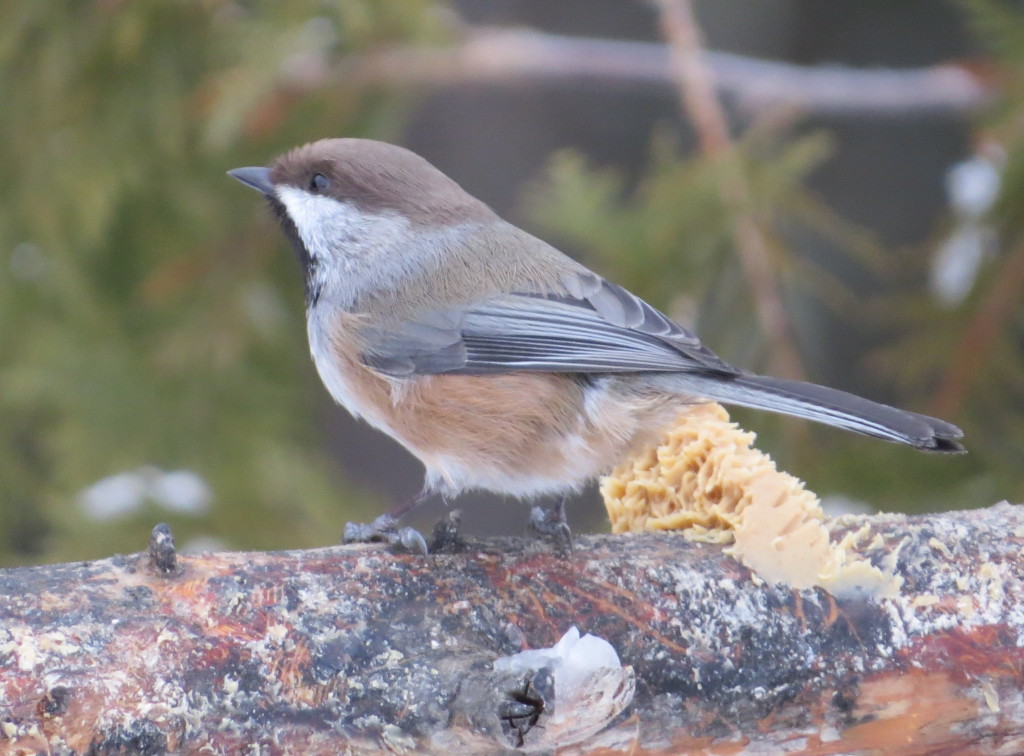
(821, 404)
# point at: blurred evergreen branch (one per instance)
(147, 315)
(669, 238)
(970, 357)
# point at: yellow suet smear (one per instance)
(706, 479)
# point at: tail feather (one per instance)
(823, 405)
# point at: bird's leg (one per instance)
(552, 523)
(385, 528)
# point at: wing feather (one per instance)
(597, 327)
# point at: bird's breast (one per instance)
(522, 434)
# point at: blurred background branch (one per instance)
(981, 334)
(153, 363)
(700, 104)
(487, 56)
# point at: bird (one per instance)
(501, 363)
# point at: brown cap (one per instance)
(378, 177)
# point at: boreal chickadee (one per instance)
(498, 361)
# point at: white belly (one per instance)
(336, 381)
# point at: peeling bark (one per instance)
(352, 649)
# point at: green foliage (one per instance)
(670, 239)
(149, 317)
(147, 314)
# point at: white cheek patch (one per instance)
(325, 225)
(336, 232)
(352, 251)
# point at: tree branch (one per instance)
(700, 104)
(506, 57)
(981, 333)
(355, 650)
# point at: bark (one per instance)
(353, 649)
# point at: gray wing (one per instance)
(597, 327)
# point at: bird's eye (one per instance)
(319, 183)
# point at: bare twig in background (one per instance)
(490, 56)
(973, 351)
(693, 78)
(700, 103)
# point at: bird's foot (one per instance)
(553, 524)
(385, 528)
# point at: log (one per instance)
(354, 649)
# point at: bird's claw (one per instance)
(385, 529)
(409, 539)
(553, 524)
